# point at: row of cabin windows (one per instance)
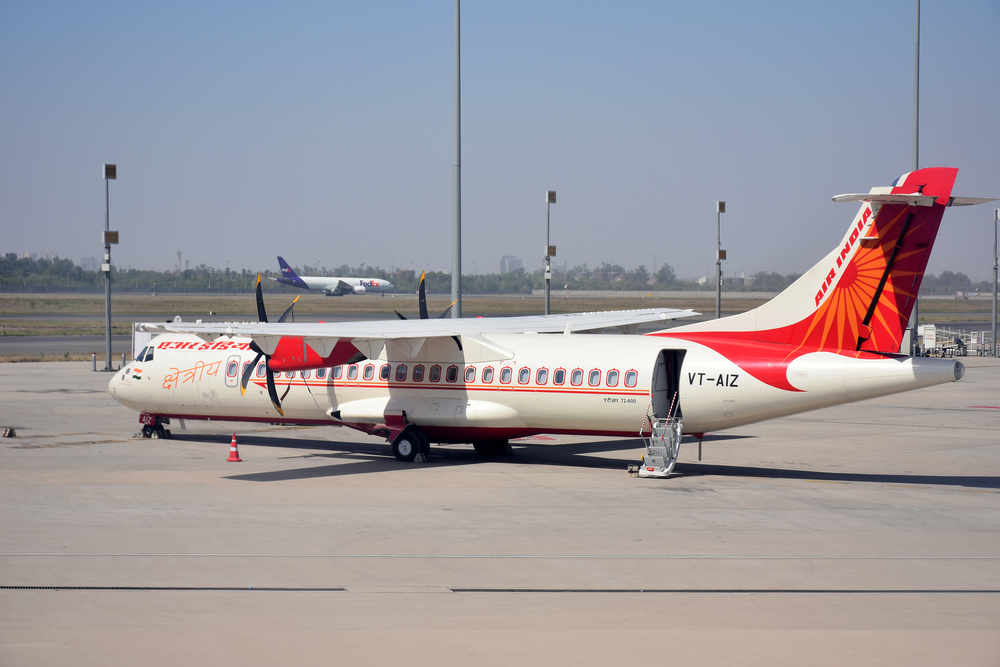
(594, 377)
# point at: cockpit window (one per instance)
(142, 355)
(149, 354)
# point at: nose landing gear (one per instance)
(153, 427)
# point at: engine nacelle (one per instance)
(359, 290)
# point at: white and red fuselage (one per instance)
(552, 383)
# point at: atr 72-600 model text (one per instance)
(832, 337)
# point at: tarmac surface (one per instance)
(863, 534)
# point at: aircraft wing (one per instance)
(628, 320)
(371, 336)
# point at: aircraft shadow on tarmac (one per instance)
(360, 458)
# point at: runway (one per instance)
(863, 534)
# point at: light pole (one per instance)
(720, 208)
(110, 174)
(456, 186)
(550, 250)
(996, 217)
(914, 345)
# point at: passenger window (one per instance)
(559, 376)
(595, 378)
(320, 373)
(452, 373)
(289, 375)
(400, 373)
(232, 368)
(612, 378)
(542, 376)
(576, 379)
(383, 373)
(246, 365)
(369, 371)
(261, 369)
(631, 378)
(470, 374)
(352, 372)
(337, 373)
(488, 374)
(435, 373)
(305, 374)
(418, 373)
(523, 375)
(505, 374)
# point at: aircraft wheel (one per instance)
(482, 447)
(425, 442)
(157, 432)
(405, 447)
(147, 431)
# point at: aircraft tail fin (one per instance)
(288, 276)
(860, 296)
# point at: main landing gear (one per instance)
(411, 444)
(492, 447)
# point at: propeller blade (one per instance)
(422, 296)
(288, 310)
(399, 315)
(245, 380)
(447, 310)
(272, 392)
(261, 313)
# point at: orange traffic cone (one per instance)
(234, 453)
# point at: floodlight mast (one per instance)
(456, 205)
(550, 199)
(110, 174)
(914, 346)
(720, 254)
(993, 341)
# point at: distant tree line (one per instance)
(62, 275)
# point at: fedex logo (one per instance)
(369, 283)
(845, 251)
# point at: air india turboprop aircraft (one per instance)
(334, 286)
(832, 337)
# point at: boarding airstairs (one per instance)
(663, 444)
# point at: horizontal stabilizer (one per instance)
(915, 199)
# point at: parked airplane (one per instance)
(832, 337)
(331, 286)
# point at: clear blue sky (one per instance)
(322, 132)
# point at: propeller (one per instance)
(422, 300)
(245, 380)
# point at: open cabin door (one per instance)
(666, 384)
(664, 442)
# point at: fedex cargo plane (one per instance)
(832, 337)
(332, 286)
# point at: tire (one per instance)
(425, 442)
(157, 432)
(405, 447)
(482, 447)
(147, 431)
